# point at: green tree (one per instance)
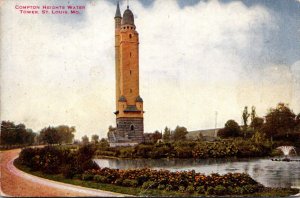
(155, 136)
(253, 113)
(12, 134)
(85, 139)
(167, 134)
(231, 129)
(245, 116)
(66, 133)
(95, 138)
(257, 123)
(179, 133)
(103, 143)
(280, 122)
(50, 135)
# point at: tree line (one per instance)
(280, 123)
(17, 134)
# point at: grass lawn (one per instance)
(268, 192)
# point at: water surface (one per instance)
(267, 172)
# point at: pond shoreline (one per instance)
(264, 170)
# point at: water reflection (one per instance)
(269, 173)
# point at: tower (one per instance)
(129, 104)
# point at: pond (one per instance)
(267, 172)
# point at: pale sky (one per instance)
(196, 58)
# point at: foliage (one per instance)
(184, 181)
(52, 160)
(12, 134)
(95, 138)
(179, 133)
(231, 129)
(167, 134)
(85, 139)
(281, 123)
(57, 135)
(257, 123)
(256, 146)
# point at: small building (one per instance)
(206, 134)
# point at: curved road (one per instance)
(15, 182)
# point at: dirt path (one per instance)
(17, 183)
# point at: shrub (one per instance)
(169, 187)
(181, 189)
(161, 187)
(87, 177)
(220, 190)
(210, 190)
(190, 189)
(119, 182)
(238, 191)
(101, 179)
(68, 171)
(149, 185)
(200, 189)
(130, 183)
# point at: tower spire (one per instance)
(118, 13)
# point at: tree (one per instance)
(280, 122)
(103, 143)
(167, 134)
(12, 134)
(257, 123)
(245, 119)
(155, 136)
(66, 133)
(95, 138)
(50, 135)
(179, 133)
(253, 113)
(231, 129)
(85, 139)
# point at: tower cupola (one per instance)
(128, 18)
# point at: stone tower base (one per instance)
(130, 130)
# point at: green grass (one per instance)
(268, 192)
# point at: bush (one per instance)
(220, 190)
(119, 182)
(87, 177)
(200, 189)
(149, 185)
(101, 179)
(190, 189)
(68, 171)
(161, 187)
(238, 191)
(169, 187)
(130, 183)
(181, 189)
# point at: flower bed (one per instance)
(186, 181)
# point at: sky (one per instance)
(196, 58)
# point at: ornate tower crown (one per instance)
(128, 18)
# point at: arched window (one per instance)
(131, 127)
(130, 90)
(130, 35)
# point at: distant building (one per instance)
(129, 104)
(206, 134)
